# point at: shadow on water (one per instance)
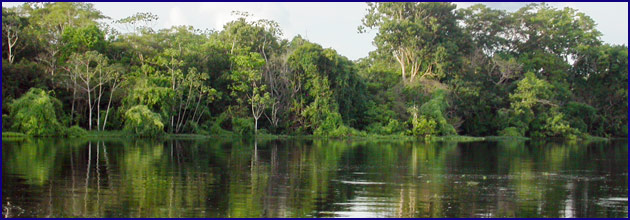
(312, 178)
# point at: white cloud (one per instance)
(219, 13)
(176, 17)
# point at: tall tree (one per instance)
(419, 36)
(12, 29)
(247, 81)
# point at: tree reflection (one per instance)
(312, 178)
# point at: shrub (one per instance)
(35, 114)
(392, 127)
(243, 126)
(434, 110)
(423, 126)
(333, 126)
(76, 131)
(142, 122)
(556, 126)
(6, 122)
(511, 131)
(12, 134)
(215, 126)
(330, 123)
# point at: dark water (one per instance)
(312, 178)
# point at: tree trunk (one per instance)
(109, 104)
(172, 108)
(401, 61)
(182, 118)
(98, 103)
(196, 108)
(106, 113)
(90, 108)
(11, 37)
(74, 98)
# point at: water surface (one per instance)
(312, 178)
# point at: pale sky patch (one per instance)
(331, 24)
(176, 17)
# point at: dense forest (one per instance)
(536, 72)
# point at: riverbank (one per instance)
(452, 138)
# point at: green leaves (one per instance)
(246, 75)
(36, 114)
(186, 76)
(141, 121)
(77, 40)
(430, 118)
(419, 36)
(534, 111)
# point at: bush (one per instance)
(333, 126)
(434, 110)
(214, 127)
(423, 127)
(511, 131)
(195, 128)
(36, 113)
(345, 131)
(556, 126)
(375, 128)
(142, 122)
(76, 131)
(6, 122)
(12, 134)
(330, 123)
(392, 127)
(243, 126)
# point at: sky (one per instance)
(332, 24)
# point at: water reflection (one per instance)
(312, 178)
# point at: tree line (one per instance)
(437, 70)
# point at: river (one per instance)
(312, 178)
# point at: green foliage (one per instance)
(392, 127)
(214, 127)
(327, 85)
(243, 126)
(333, 126)
(330, 123)
(148, 92)
(246, 75)
(531, 94)
(36, 113)
(511, 132)
(534, 112)
(556, 126)
(76, 131)
(82, 39)
(423, 126)
(12, 134)
(414, 33)
(6, 122)
(249, 78)
(141, 121)
(600, 76)
(435, 110)
(19, 77)
(583, 117)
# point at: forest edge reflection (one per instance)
(312, 178)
